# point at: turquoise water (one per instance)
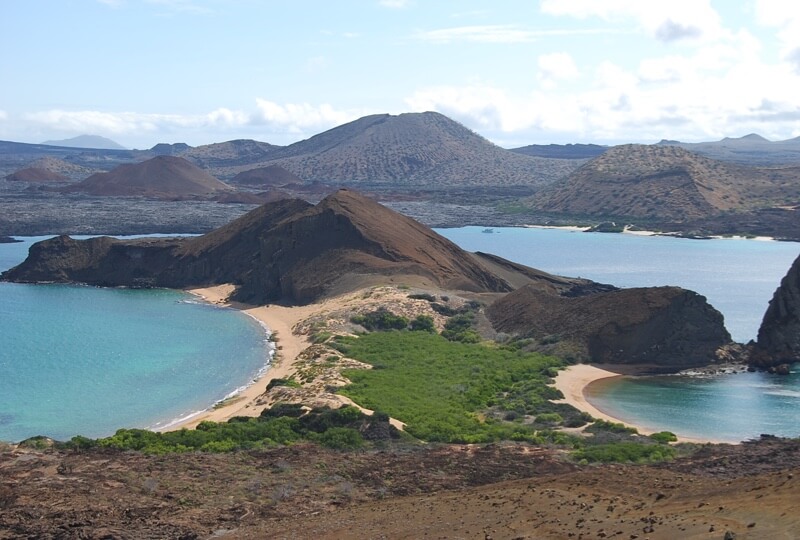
(731, 408)
(84, 360)
(737, 276)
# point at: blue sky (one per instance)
(517, 72)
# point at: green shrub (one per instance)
(423, 323)
(664, 437)
(549, 418)
(613, 427)
(282, 382)
(79, 442)
(380, 319)
(341, 438)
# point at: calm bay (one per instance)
(737, 276)
(85, 360)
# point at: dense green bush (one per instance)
(443, 389)
(283, 424)
(423, 323)
(423, 296)
(380, 319)
(612, 427)
(459, 328)
(664, 437)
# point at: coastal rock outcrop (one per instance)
(779, 335)
(661, 329)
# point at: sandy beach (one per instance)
(279, 320)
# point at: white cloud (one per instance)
(722, 89)
(293, 118)
(3, 115)
(298, 117)
(556, 67)
(666, 21)
(785, 16)
(122, 123)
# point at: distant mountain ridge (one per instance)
(751, 149)
(562, 151)
(87, 141)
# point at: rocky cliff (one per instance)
(779, 335)
(661, 328)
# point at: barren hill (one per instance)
(666, 183)
(36, 175)
(163, 177)
(287, 250)
(271, 175)
(413, 149)
(221, 157)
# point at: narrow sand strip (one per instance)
(279, 320)
(573, 382)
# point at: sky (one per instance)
(517, 72)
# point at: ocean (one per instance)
(737, 276)
(85, 360)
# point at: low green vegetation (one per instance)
(445, 390)
(664, 437)
(342, 429)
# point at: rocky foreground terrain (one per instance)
(498, 491)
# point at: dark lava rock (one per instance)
(779, 335)
(662, 328)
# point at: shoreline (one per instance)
(573, 382)
(279, 320)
